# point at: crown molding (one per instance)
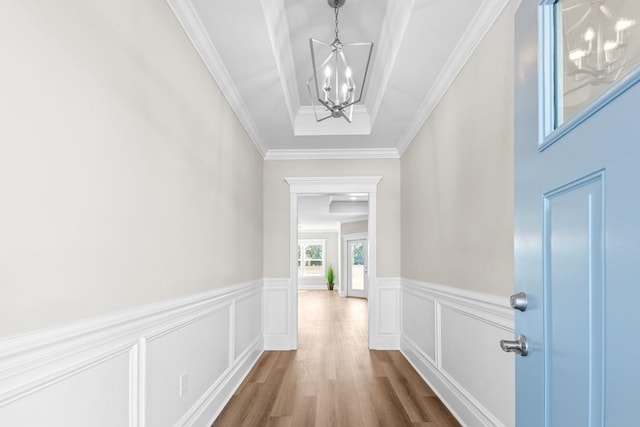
(187, 16)
(487, 14)
(333, 154)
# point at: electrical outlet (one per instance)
(184, 384)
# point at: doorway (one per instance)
(355, 263)
(300, 186)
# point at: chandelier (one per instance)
(335, 83)
(596, 44)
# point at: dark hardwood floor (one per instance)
(333, 379)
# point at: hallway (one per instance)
(333, 379)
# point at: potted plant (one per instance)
(330, 277)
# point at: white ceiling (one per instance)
(314, 212)
(258, 52)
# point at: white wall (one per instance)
(457, 237)
(331, 257)
(125, 177)
(457, 176)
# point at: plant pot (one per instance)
(330, 286)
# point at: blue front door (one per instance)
(577, 241)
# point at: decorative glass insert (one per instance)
(597, 42)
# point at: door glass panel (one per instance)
(597, 43)
(357, 266)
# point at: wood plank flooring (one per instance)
(333, 379)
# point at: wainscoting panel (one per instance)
(247, 322)
(483, 367)
(171, 363)
(198, 351)
(280, 303)
(451, 337)
(419, 310)
(72, 399)
(386, 325)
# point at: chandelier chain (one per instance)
(336, 9)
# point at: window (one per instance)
(597, 43)
(311, 257)
(589, 51)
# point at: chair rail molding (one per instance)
(125, 368)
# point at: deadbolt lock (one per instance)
(518, 301)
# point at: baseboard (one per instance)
(440, 325)
(126, 368)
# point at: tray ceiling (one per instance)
(258, 53)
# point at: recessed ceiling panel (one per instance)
(263, 47)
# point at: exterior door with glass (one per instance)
(357, 268)
(577, 213)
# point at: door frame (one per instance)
(332, 185)
(345, 260)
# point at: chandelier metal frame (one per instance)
(341, 77)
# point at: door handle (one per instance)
(520, 346)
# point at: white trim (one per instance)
(142, 382)
(33, 362)
(338, 185)
(193, 27)
(333, 154)
(487, 313)
(388, 320)
(213, 401)
(486, 307)
(134, 385)
(332, 184)
(487, 14)
(279, 299)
